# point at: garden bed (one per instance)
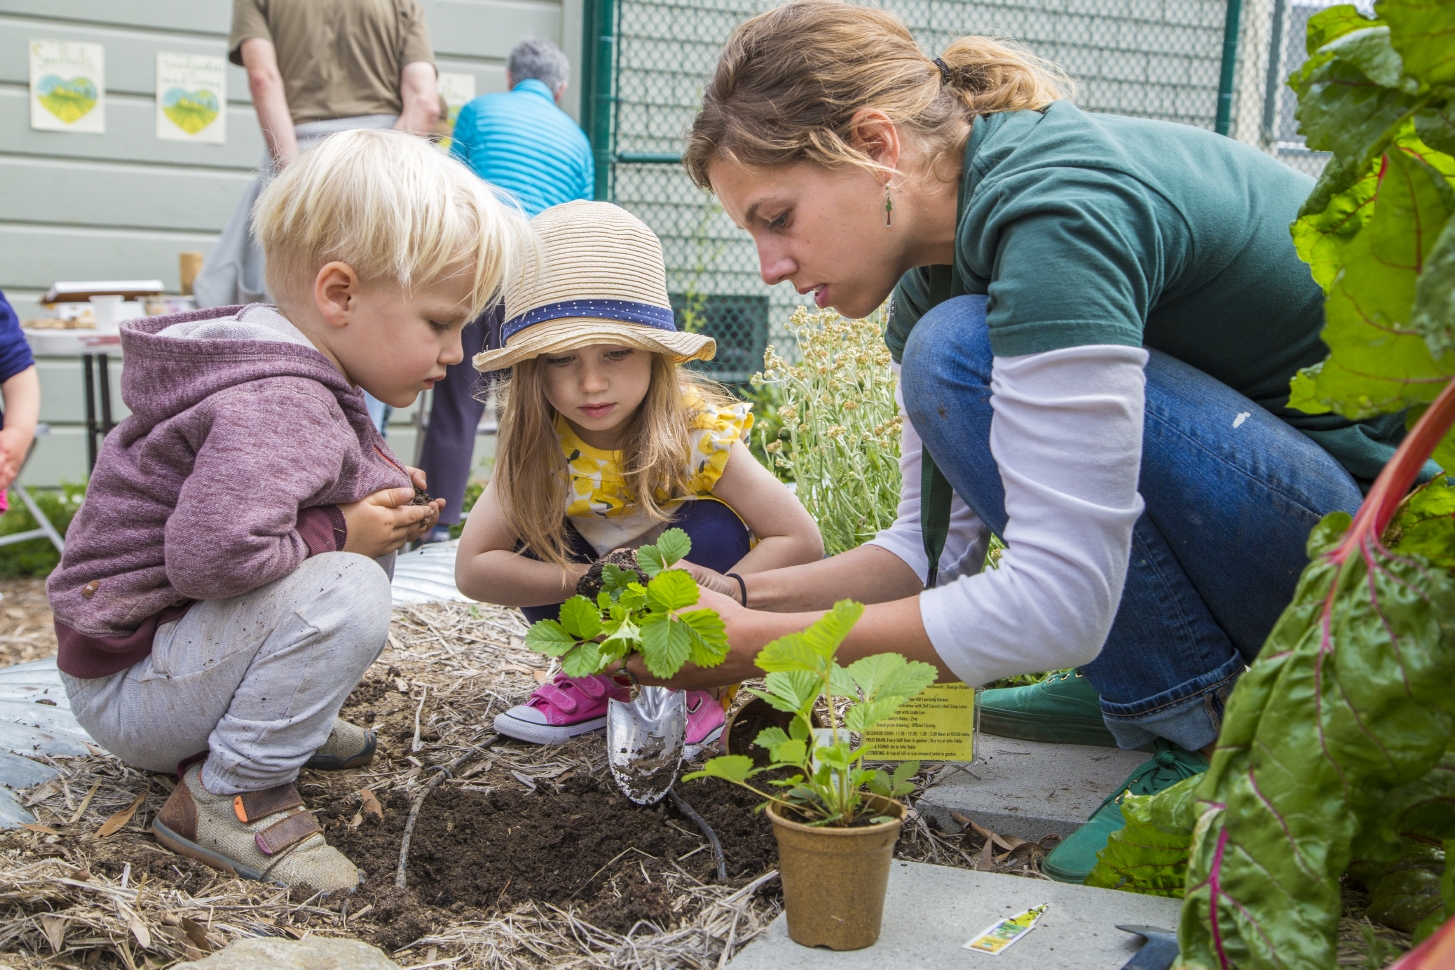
(526, 856)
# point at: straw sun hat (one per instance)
(600, 280)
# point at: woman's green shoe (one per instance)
(1062, 709)
(1073, 859)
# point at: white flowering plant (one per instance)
(838, 439)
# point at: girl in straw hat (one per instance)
(604, 442)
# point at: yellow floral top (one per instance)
(599, 505)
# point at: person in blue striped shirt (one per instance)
(521, 142)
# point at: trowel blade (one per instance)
(644, 742)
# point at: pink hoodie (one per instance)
(226, 476)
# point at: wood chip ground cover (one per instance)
(525, 857)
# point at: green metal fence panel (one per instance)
(1217, 64)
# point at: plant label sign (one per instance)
(938, 725)
(191, 97)
(67, 86)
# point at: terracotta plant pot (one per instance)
(834, 879)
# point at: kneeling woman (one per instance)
(604, 443)
(1097, 319)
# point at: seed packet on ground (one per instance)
(1007, 931)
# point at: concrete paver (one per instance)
(1027, 788)
(931, 911)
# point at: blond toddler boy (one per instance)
(226, 583)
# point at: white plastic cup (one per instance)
(107, 310)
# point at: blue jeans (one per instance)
(1215, 556)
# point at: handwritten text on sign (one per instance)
(938, 725)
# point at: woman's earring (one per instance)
(888, 207)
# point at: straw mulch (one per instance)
(89, 887)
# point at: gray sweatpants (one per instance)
(255, 680)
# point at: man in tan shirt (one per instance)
(321, 60)
(316, 67)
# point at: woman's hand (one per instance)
(385, 521)
(713, 580)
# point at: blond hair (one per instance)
(393, 207)
(531, 475)
(789, 82)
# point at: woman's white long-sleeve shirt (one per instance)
(1066, 434)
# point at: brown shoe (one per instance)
(348, 746)
(266, 835)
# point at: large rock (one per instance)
(313, 953)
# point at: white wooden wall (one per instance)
(122, 205)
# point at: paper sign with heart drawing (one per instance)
(191, 97)
(67, 86)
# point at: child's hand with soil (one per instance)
(590, 582)
(389, 519)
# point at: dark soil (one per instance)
(474, 853)
(590, 583)
(421, 497)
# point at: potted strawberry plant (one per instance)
(835, 820)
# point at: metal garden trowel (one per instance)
(644, 740)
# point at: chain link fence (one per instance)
(1174, 60)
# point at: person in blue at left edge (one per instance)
(20, 388)
(521, 142)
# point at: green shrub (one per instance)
(37, 557)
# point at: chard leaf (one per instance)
(708, 637)
(1422, 526)
(1424, 34)
(584, 661)
(1331, 23)
(671, 590)
(581, 618)
(666, 644)
(1321, 234)
(1435, 126)
(1353, 95)
(1377, 362)
(1434, 312)
(1348, 700)
(1149, 854)
(549, 637)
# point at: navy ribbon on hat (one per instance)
(628, 311)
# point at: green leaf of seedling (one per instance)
(673, 589)
(841, 683)
(581, 618)
(584, 661)
(673, 546)
(604, 601)
(790, 690)
(905, 772)
(614, 579)
(621, 629)
(879, 783)
(1424, 34)
(861, 717)
(813, 649)
(769, 738)
(549, 637)
(789, 753)
(736, 768)
(708, 637)
(799, 729)
(835, 756)
(666, 644)
(634, 597)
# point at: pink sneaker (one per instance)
(560, 710)
(705, 720)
